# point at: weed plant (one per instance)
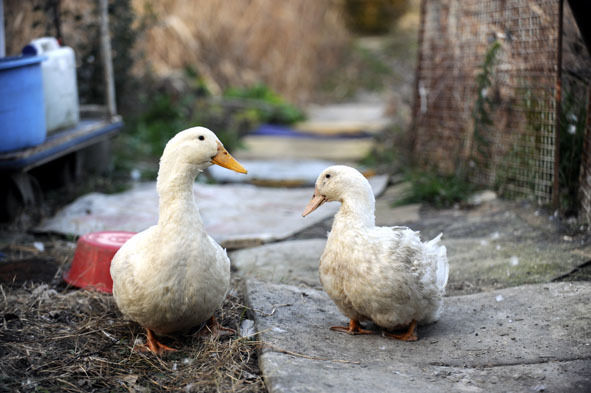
(165, 113)
(440, 191)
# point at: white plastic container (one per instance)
(60, 90)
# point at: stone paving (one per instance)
(506, 326)
(533, 338)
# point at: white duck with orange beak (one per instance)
(173, 276)
(381, 274)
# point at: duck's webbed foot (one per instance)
(153, 345)
(213, 327)
(409, 335)
(354, 328)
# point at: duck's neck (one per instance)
(357, 209)
(175, 194)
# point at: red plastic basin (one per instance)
(92, 260)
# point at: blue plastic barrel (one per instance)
(22, 113)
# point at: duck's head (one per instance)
(200, 147)
(336, 183)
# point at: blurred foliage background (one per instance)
(232, 67)
(181, 63)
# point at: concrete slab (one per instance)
(281, 171)
(289, 262)
(402, 215)
(236, 215)
(489, 262)
(270, 147)
(345, 118)
(495, 245)
(388, 214)
(529, 338)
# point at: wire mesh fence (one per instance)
(488, 80)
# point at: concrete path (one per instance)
(290, 262)
(495, 335)
(346, 118)
(235, 215)
(534, 338)
(271, 147)
(331, 132)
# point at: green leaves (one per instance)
(271, 108)
(438, 190)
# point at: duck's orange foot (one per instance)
(354, 328)
(153, 345)
(409, 335)
(213, 327)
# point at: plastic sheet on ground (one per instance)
(236, 215)
(279, 142)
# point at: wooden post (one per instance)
(558, 101)
(2, 42)
(107, 59)
(417, 97)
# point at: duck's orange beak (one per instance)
(316, 201)
(225, 160)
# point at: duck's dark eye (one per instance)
(327, 176)
(201, 138)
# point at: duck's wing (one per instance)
(398, 276)
(220, 253)
(436, 258)
(130, 252)
(382, 276)
(428, 259)
(402, 228)
(398, 245)
(131, 262)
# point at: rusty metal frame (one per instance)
(558, 95)
(416, 98)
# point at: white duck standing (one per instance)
(381, 274)
(173, 276)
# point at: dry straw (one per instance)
(65, 340)
(26, 20)
(289, 45)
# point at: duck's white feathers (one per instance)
(174, 287)
(386, 275)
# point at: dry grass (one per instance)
(289, 45)
(64, 340)
(26, 20)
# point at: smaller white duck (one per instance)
(173, 276)
(381, 274)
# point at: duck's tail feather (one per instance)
(438, 254)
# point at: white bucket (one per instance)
(60, 90)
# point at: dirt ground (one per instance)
(55, 338)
